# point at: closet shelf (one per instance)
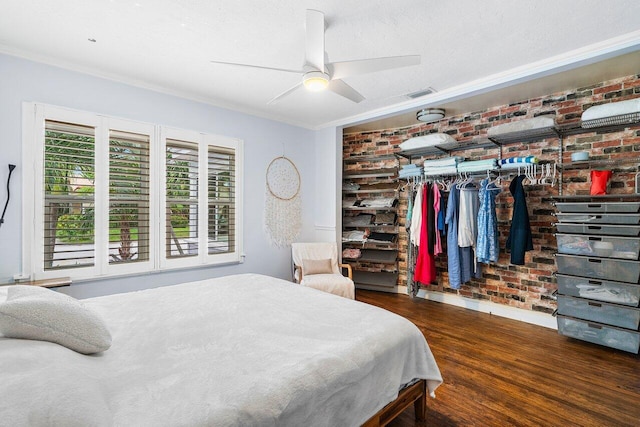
(447, 148)
(596, 199)
(375, 278)
(370, 173)
(368, 158)
(369, 208)
(528, 135)
(375, 256)
(587, 164)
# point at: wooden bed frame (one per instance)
(415, 393)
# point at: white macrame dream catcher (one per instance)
(283, 209)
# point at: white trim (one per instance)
(583, 56)
(527, 316)
(33, 119)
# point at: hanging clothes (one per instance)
(520, 239)
(416, 217)
(453, 250)
(437, 246)
(467, 221)
(467, 232)
(487, 247)
(412, 286)
(431, 218)
(426, 264)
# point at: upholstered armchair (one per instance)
(316, 266)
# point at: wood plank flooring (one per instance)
(501, 372)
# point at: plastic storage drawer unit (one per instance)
(599, 229)
(600, 290)
(618, 270)
(608, 207)
(602, 312)
(600, 246)
(610, 336)
(623, 219)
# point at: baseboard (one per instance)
(527, 316)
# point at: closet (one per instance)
(529, 286)
(370, 220)
(599, 270)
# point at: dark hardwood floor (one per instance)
(501, 372)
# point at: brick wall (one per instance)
(529, 286)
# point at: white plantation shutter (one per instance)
(129, 206)
(181, 199)
(69, 200)
(113, 197)
(221, 192)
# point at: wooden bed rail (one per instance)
(415, 393)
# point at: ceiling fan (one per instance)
(318, 75)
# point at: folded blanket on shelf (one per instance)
(478, 165)
(448, 170)
(354, 236)
(512, 166)
(381, 202)
(409, 173)
(526, 159)
(448, 161)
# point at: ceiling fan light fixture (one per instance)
(429, 115)
(315, 81)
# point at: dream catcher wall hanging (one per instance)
(283, 208)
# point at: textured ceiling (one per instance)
(168, 45)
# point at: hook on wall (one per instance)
(11, 168)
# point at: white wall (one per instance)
(22, 80)
(328, 176)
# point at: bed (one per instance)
(241, 350)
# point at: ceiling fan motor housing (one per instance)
(315, 80)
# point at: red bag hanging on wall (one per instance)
(599, 181)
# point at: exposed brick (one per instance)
(530, 286)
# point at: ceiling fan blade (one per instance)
(340, 70)
(343, 89)
(259, 67)
(314, 47)
(285, 93)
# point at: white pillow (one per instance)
(611, 109)
(36, 313)
(430, 140)
(539, 122)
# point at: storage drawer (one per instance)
(599, 229)
(605, 207)
(600, 290)
(600, 246)
(599, 268)
(601, 312)
(627, 219)
(610, 336)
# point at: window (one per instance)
(113, 197)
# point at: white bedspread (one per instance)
(244, 350)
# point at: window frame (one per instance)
(33, 123)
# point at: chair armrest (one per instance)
(297, 269)
(349, 270)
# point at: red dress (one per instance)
(426, 264)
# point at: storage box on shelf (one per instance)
(370, 220)
(598, 265)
